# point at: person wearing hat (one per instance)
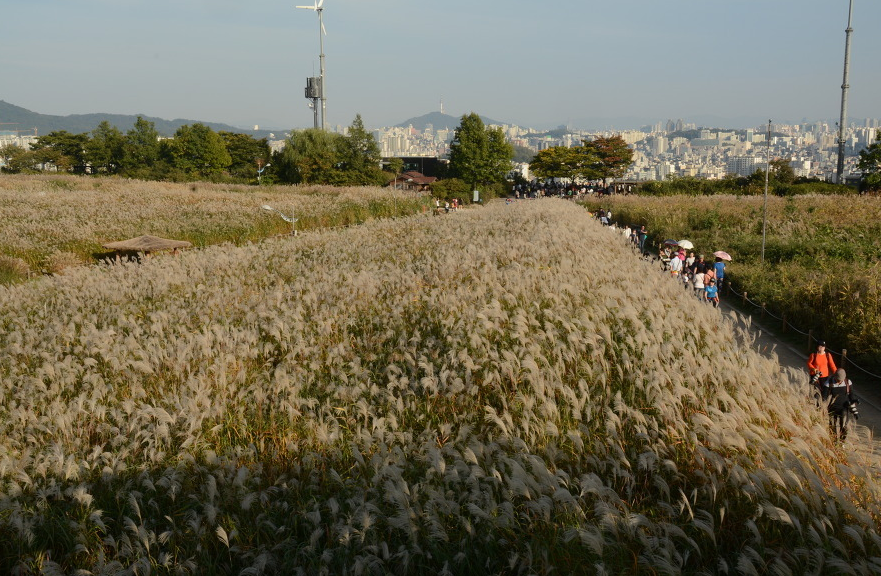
(821, 366)
(841, 403)
(712, 292)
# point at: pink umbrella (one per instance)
(721, 254)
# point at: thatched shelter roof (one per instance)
(147, 244)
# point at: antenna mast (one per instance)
(844, 87)
(321, 34)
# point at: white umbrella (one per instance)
(685, 244)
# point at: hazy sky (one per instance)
(535, 63)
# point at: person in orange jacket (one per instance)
(821, 367)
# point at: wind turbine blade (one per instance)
(320, 2)
(307, 7)
(322, 29)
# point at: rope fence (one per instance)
(786, 326)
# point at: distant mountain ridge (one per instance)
(441, 121)
(11, 114)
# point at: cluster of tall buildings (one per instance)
(678, 148)
(811, 148)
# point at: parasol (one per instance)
(721, 254)
(685, 244)
(671, 243)
(147, 243)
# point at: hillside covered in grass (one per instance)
(51, 223)
(477, 393)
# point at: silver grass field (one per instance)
(504, 390)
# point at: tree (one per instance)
(614, 156)
(141, 149)
(105, 151)
(16, 159)
(310, 157)
(395, 165)
(479, 155)
(63, 149)
(781, 171)
(198, 151)
(870, 164)
(575, 163)
(245, 153)
(359, 157)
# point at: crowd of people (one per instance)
(831, 387)
(698, 275)
(539, 188)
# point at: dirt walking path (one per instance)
(867, 428)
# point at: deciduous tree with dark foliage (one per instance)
(245, 151)
(309, 157)
(65, 150)
(105, 151)
(197, 151)
(576, 162)
(141, 150)
(601, 158)
(614, 156)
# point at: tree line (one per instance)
(197, 152)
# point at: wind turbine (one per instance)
(321, 34)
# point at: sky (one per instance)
(533, 63)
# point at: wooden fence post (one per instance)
(763, 311)
(744, 298)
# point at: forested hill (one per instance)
(440, 121)
(14, 117)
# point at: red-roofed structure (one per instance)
(412, 181)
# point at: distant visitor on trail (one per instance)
(842, 405)
(821, 367)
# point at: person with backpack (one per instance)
(821, 367)
(842, 404)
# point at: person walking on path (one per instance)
(675, 265)
(821, 367)
(699, 286)
(719, 268)
(712, 292)
(841, 403)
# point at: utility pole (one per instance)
(842, 123)
(321, 34)
(767, 172)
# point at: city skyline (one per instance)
(517, 62)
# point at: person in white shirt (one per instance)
(675, 266)
(699, 288)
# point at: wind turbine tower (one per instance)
(842, 124)
(321, 33)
